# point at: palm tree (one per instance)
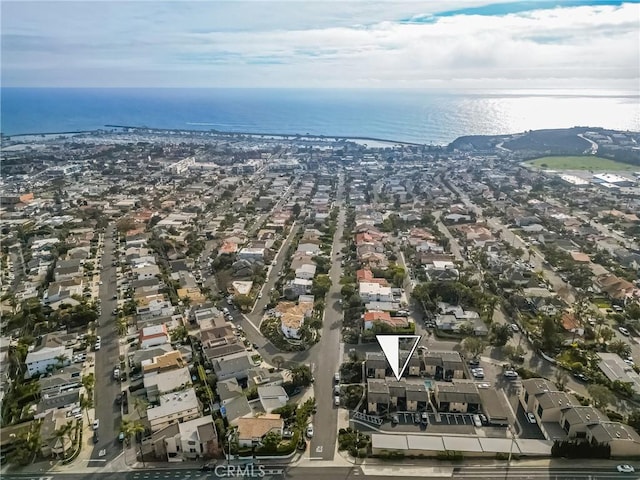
(122, 326)
(86, 402)
(60, 434)
(140, 405)
(88, 382)
(130, 428)
(60, 361)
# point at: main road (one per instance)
(433, 470)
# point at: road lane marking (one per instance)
(319, 449)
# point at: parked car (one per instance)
(476, 421)
(624, 331)
(96, 424)
(416, 418)
(336, 377)
(531, 417)
(510, 374)
(515, 327)
(474, 362)
(310, 430)
(484, 419)
(95, 437)
(424, 418)
(116, 373)
(625, 468)
(395, 420)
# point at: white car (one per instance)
(336, 400)
(623, 331)
(476, 421)
(96, 424)
(625, 468)
(515, 327)
(510, 374)
(531, 417)
(310, 430)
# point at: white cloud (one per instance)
(315, 44)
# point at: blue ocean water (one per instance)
(419, 116)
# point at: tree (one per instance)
(301, 376)
(243, 302)
(601, 395)
(473, 345)
(88, 382)
(467, 329)
(296, 210)
(549, 334)
(500, 334)
(634, 420)
(321, 285)
(561, 378)
(620, 347)
(180, 334)
(86, 403)
(140, 405)
(278, 361)
(61, 434)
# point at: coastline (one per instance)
(361, 140)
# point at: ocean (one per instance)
(420, 116)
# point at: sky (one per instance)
(329, 44)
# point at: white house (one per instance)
(306, 271)
(148, 271)
(46, 358)
(195, 438)
(251, 254)
(174, 408)
(154, 335)
(374, 292)
(272, 397)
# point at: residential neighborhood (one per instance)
(176, 297)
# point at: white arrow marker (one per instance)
(390, 345)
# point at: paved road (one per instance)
(327, 353)
(107, 357)
(370, 472)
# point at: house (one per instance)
(374, 292)
(615, 369)
(174, 408)
(157, 384)
(623, 440)
(163, 363)
(251, 431)
(67, 269)
(272, 397)
(457, 397)
(190, 440)
(153, 336)
(371, 318)
(252, 255)
(61, 381)
(45, 359)
(259, 376)
(52, 444)
(376, 365)
(576, 421)
(306, 271)
(548, 406)
(228, 390)
(443, 364)
(571, 324)
(416, 397)
(397, 393)
(292, 316)
(532, 387)
(296, 287)
(146, 272)
(235, 365)
(616, 288)
(236, 408)
(377, 396)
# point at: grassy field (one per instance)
(582, 163)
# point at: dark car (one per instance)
(474, 362)
(95, 436)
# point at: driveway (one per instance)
(107, 357)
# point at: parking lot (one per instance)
(451, 419)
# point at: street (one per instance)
(106, 389)
(559, 470)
